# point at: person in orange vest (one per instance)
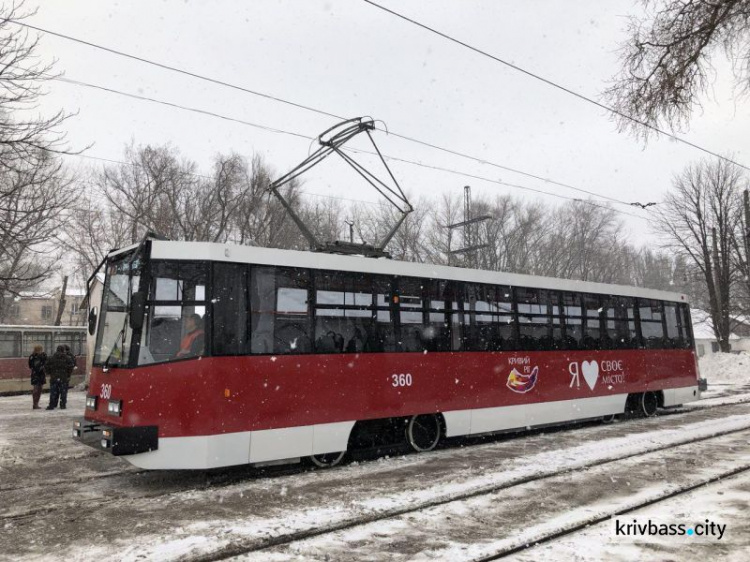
(193, 342)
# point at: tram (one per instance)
(17, 343)
(210, 355)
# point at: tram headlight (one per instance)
(114, 407)
(91, 402)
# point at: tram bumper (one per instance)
(116, 440)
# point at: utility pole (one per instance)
(351, 230)
(717, 285)
(470, 246)
(61, 306)
(468, 239)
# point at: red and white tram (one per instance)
(211, 355)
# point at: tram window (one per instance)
(229, 309)
(619, 321)
(10, 344)
(291, 313)
(558, 342)
(71, 339)
(592, 309)
(437, 333)
(652, 328)
(534, 322)
(488, 320)
(344, 313)
(674, 330)
(262, 309)
(383, 337)
(174, 317)
(572, 312)
(685, 322)
(411, 311)
(30, 339)
(178, 281)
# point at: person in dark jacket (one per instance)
(37, 361)
(59, 368)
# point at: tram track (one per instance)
(225, 478)
(582, 525)
(83, 504)
(255, 546)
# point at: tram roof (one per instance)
(207, 251)
(40, 328)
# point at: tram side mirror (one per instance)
(137, 306)
(93, 314)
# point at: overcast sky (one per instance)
(351, 59)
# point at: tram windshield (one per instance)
(114, 337)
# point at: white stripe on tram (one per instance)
(247, 447)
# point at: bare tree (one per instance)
(703, 211)
(35, 202)
(666, 63)
(25, 135)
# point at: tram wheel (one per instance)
(423, 432)
(649, 403)
(327, 460)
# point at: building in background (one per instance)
(705, 339)
(40, 308)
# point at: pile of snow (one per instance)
(725, 368)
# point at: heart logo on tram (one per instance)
(590, 373)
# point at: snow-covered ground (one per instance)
(725, 368)
(60, 500)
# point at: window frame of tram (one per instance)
(330, 312)
(135, 271)
(352, 313)
(10, 344)
(168, 284)
(486, 316)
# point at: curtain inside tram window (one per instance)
(229, 309)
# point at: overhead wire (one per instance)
(312, 138)
(300, 106)
(556, 85)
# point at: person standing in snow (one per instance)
(37, 361)
(59, 367)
